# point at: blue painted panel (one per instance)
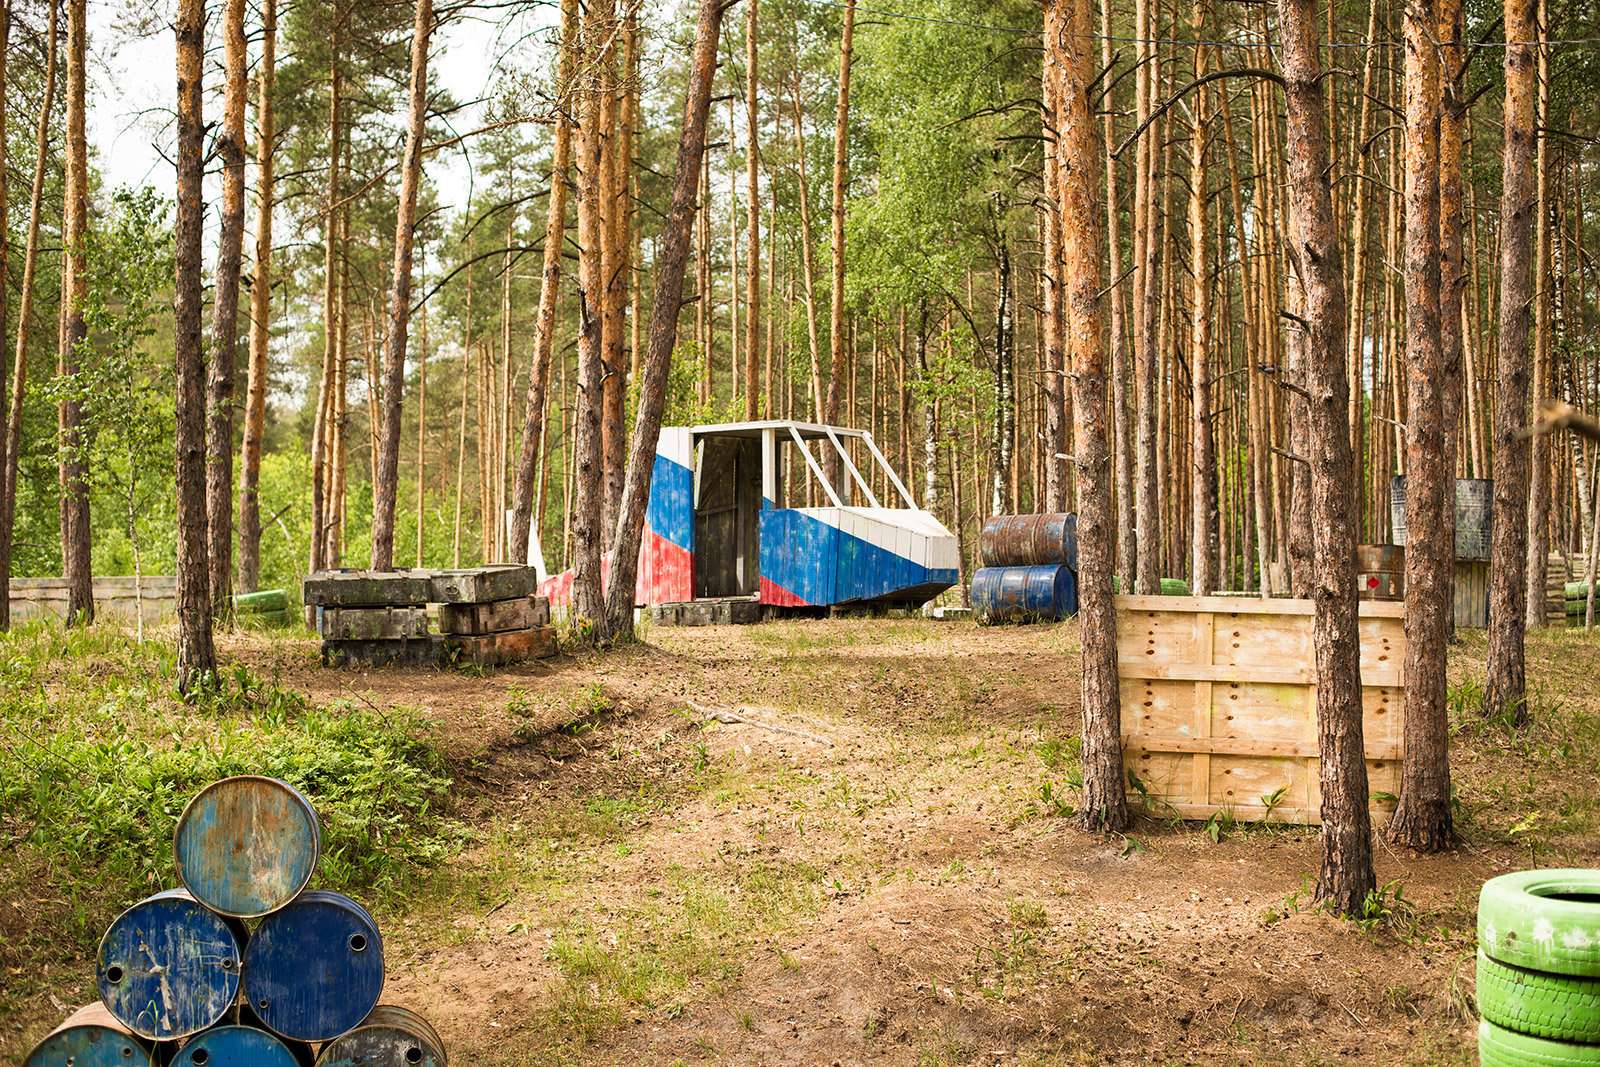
(240, 1046)
(90, 1038)
(246, 845)
(799, 553)
(670, 512)
(168, 967)
(314, 969)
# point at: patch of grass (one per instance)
(99, 755)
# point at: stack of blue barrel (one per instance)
(244, 966)
(1029, 569)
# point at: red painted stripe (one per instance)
(773, 593)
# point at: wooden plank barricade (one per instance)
(1219, 705)
(485, 615)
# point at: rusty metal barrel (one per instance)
(1028, 540)
(246, 846)
(391, 1036)
(1024, 594)
(92, 1037)
(1381, 572)
(314, 968)
(168, 967)
(236, 1045)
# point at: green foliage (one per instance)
(98, 757)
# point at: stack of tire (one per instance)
(1576, 599)
(244, 965)
(1539, 969)
(1029, 569)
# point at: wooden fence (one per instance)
(114, 598)
(1219, 705)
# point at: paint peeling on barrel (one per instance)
(91, 1037)
(242, 1046)
(1024, 594)
(1029, 540)
(391, 1036)
(168, 967)
(248, 845)
(314, 969)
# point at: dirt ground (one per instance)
(877, 868)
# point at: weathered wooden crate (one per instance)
(118, 598)
(1219, 704)
(518, 613)
(367, 589)
(480, 585)
(416, 652)
(493, 650)
(372, 624)
(717, 611)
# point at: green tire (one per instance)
(1542, 1005)
(1499, 1047)
(1546, 921)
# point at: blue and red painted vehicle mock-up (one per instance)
(723, 522)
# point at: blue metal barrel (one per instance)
(246, 846)
(91, 1037)
(1029, 540)
(390, 1037)
(1024, 594)
(314, 969)
(241, 1046)
(168, 967)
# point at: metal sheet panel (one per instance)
(314, 969)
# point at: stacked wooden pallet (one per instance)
(483, 615)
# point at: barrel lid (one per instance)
(239, 1046)
(90, 1037)
(314, 969)
(391, 1036)
(169, 967)
(246, 846)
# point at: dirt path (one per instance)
(877, 870)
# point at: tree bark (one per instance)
(841, 167)
(752, 164)
(1105, 806)
(555, 230)
(321, 433)
(808, 270)
(1422, 819)
(255, 409)
(19, 374)
(1539, 479)
(613, 366)
(225, 318)
(665, 306)
(387, 476)
(75, 535)
(588, 596)
(197, 659)
(1203, 462)
(1505, 689)
(1346, 877)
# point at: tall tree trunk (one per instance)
(322, 430)
(1105, 804)
(1539, 462)
(1053, 379)
(1004, 370)
(841, 167)
(1121, 373)
(255, 405)
(19, 375)
(5, 282)
(197, 659)
(225, 318)
(1422, 819)
(613, 366)
(387, 476)
(75, 537)
(588, 596)
(422, 422)
(665, 306)
(1346, 876)
(752, 164)
(1505, 689)
(1203, 462)
(808, 270)
(555, 230)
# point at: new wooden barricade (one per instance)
(1219, 704)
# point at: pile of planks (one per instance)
(483, 615)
